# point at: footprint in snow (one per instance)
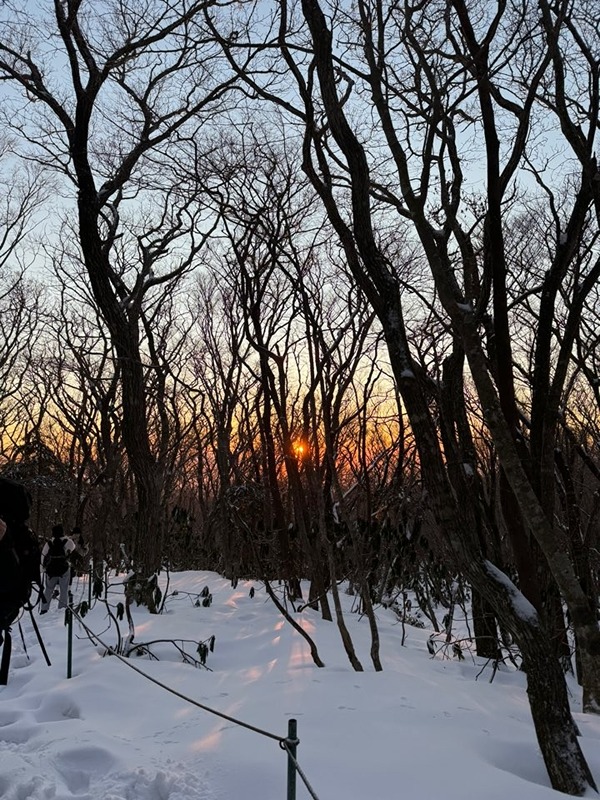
(56, 708)
(80, 766)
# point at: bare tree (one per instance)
(137, 78)
(430, 74)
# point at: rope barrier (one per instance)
(285, 746)
(281, 739)
(284, 742)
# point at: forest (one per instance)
(309, 290)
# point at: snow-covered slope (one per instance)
(423, 728)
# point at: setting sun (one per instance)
(300, 449)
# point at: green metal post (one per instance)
(69, 642)
(292, 743)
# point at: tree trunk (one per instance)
(546, 687)
(554, 725)
(566, 764)
(339, 616)
(484, 625)
(583, 616)
(313, 647)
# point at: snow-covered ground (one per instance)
(424, 728)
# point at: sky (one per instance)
(426, 727)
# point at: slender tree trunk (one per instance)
(339, 616)
(370, 612)
(313, 647)
(484, 626)
(147, 544)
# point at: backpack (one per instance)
(19, 552)
(19, 569)
(55, 560)
(19, 564)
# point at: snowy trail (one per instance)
(423, 728)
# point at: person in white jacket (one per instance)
(55, 562)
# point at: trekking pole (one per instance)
(90, 579)
(6, 651)
(69, 620)
(38, 634)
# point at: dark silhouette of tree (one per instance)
(137, 78)
(429, 73)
